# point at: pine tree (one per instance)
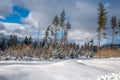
(15, 40)
(3, 44)
(35, 44)
(55, 23)
(114, 25)
(102, 20)
(118, 27)
(62, 18)
(68, 25)
(30, 40)
(46, 33)
(119, 24)
(26, 40)
(10, 41)
(62, 22)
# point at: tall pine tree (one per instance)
(68, 26)
(55, 23)
(102, 20)
(118, 28)
(62, 18)
(114, 25)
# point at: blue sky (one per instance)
(26, 15)
(16, 15)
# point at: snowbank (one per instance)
(82, 69)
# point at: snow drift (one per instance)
(82, 69)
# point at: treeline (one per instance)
(14, 49)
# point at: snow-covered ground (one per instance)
(82, 69)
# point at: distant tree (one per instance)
(74, 45)
(118, 31)
(30, 40)
(3, 46)
(47, 34)
(102, 20)
(43, 44)
(62, 18)
(10, 41)
(68, 25)
(55, 23)
(26, 40)
(35, 44)
(15, 40)
(62, 25)
(113, 26)
(38, 32)
(119, 25)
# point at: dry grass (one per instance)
(107, 53)
(27, 50)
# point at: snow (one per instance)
(70, 69)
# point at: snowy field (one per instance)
(82, 69)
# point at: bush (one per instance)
(107, 53)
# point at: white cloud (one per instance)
(32, 20)
(107, 5)
(79, 34)
(13, 26)
(19, 29)
(2, 27)
(5, 32)
(22, 28)
(84, 16)
(5, 7)
(1, 17)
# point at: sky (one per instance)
(22, 17)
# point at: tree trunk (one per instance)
(119, 35)
(98, 39)
(113, 37)
(55, 38)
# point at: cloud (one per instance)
(5, 7)
(84, 16)
(2, 27)
(4, 33)
(107, 5)
(31, 20)
(81, 13)
(16, 29)
(12, 26)
(77, 34)
(1, 17)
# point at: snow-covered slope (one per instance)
(82, 69)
